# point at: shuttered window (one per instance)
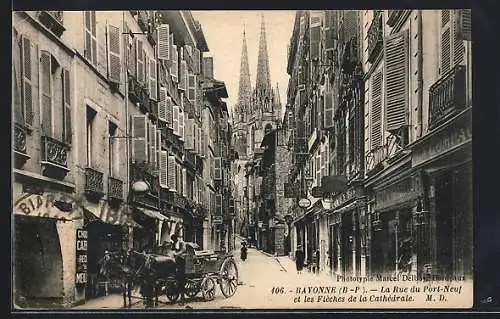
(162, 104)
(218, 205)
(174, 69)
(175, 119)
(208, 67)
(458, 41)
(90, 51)
(152, 144)
(314, 35)
(27, 63)
(452, 48)
(158, 147)
(184, 182)
(46, 91)
(17, 78)
(396, 80)
(464, 24)
(318, 168)
(328, 110)
(66, 85)
(164, 42)
(376, 109)
(183, 75)
(217, 169)
(169, 112)
(181, 124)
(139, 143)
(195, 135)
(131, 55)
(164, 169)
(171, 166)
(188, 129)
(445, 54)
(152, 79)
(191, 88)
(196, 59)
(203, 150)
(114, 54)
(139, 54)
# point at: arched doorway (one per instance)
(38, 260)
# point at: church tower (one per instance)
(243, 107)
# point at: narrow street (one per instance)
(257, 275)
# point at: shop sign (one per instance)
(304, 203)
(81, 256)
(344, 197)
(399, 192)
(47, 205)
(216, 219)
(441, 143)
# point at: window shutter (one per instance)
(208, 67)
(328, 110)
(171, 172)
(464, 24)
(152, 79)
(164, 42)
(139, 53)
(131, 59)
(175, 65)
(67, 106)
(324, 165)
(318, 169)
(90, 51)
(314, 36)
(114, 54)
(217, 168)
(46, 91)
(458, 41)
(376, 110)
(17, 78)
(195, 132)
(218, 205)
(191, 88)
(203, 149)
(139, 143)
(184, 182)
(152, 144)
(188, 143)
(181, 124)
(445, 55)
(200, 149)
(27, 78)
(178, 180)
(162, 104)
(158, 147)
(163, 169)
(396, 80)
(196, 60)
(176, 119)
(169, 111)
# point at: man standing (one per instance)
(179, 254)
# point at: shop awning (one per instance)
(47, 205)
(152, 213)
(103, 212)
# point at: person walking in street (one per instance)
(299, 259)
(179, 254)
(243, 254)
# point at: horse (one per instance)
(125, 267)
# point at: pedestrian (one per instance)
(299, 259)
(243, 255)
(180, 261)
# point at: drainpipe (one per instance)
(420, 97)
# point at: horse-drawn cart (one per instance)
(204, 269)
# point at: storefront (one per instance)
(444, 220)
(393, 233)
(346, 233)
(106, 228)
(45, 224)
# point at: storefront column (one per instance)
(206, 234)
(67, 239)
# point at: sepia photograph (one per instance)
(209, 160)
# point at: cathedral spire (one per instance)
(263, 81)
(245, 86)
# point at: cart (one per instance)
(205, 269)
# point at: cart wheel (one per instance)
(228, 277)
(208, 288)
(191, 289)
(172, 291)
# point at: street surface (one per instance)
(257, 275)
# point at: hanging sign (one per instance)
(304, 203)
(81, 256)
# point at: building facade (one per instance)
(102, 101)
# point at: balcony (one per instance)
(375, 40)
(189, 107)
(147, 173)
(94, 184)
(179, 201)
(394, 16)
(374, 158)
(138, 94)
(447, 96)
(173, 140)
(20, 133)
(146, 22)
(54, 157)
(53, 20)
(115, 189)
(199, 164)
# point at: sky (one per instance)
(223, 31)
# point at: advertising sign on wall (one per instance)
(81, 257)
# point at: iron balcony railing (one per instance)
(115, 188)
(93, 181)
(375, 40)
(447, 96)
(54, 152)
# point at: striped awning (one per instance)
(103, 212)
(152, 213)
